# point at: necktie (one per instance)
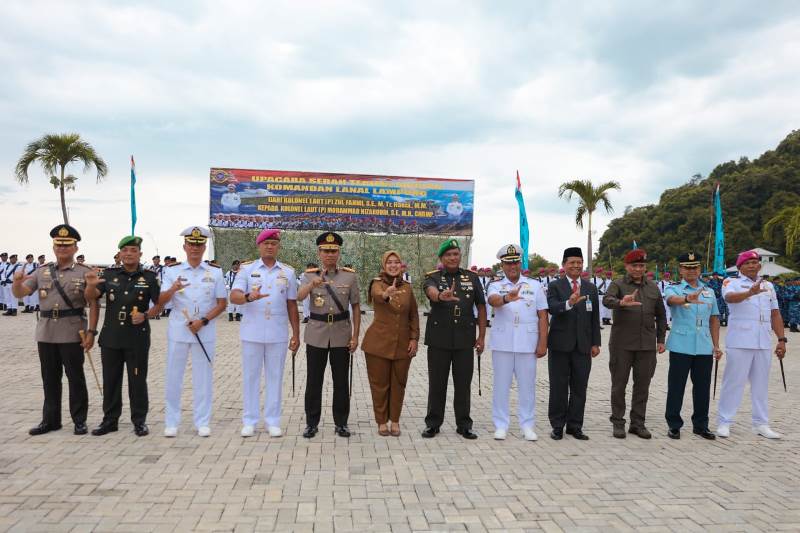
(574, 285)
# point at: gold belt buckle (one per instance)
(456, 311)
(330, 318)
(122, 315)
(54, 314)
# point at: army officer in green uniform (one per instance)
(450, 337)
(125, 337)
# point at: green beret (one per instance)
(449, 244)
(130, 240)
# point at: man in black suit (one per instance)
(573, 341)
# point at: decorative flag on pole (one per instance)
(719, 238)
(635, 246)
(524, 235)
(133, 197)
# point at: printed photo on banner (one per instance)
(343, 202)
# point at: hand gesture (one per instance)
(294, 344)
(575, 297)
(92, 279)
(756, 288)
(717, 354)
(780, 350)
(479, 345)
(412, 348)
(629, 300)
(390, 291)
(449, 295)
(694, 297)
(179, 285)
(136, 317)
(195, 326)
(513, 295)
(317, 282)
(255, 294)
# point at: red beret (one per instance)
(635, 256)
(268, 234)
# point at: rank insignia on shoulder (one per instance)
(312, 270)
(175, 264)
(346, 269)
(212, 263)
(432, 272)
(247, 262)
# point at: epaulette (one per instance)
(376, 279)
(212, 263)
(247, 262)
(312, 270)
(432, 272)
(176, 264)
(87, 267)
(348, 270)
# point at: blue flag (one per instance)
(524, 235)
(719, 237)
(133, 197)
(635, 246)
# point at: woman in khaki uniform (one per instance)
(390, 342)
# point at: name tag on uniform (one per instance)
(588, 306)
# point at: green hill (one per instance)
(751, 193)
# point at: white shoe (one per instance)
(724, 431)
(170, 432)
(203, 431)
(765, 431)
(248, 431)
(500, 434)
(529, 434)
(275, 431)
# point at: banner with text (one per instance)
(344, 202)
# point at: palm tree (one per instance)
(54, 152)
(789, 218)
(589, 198)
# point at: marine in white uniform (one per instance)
(267, 291)
(197, 292)
(754, 311)
(518, 338)
(3, 264)
(11, 301)
(230, 200)
(27, 270)
(230, 277)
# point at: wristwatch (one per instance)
(782, 339)
(204, 320)
(92, 331)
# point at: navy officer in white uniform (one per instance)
(518, 339)
(754, 315)
(197, 292)
(266, 292)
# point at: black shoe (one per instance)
(342, 431)
(36, 309)
(557, 434)
(158, 317)
(467, 433)
(642, 432)
(310, 432)
(705, 433)
(429, 432)
(305, 320)
(141, 430)
(43, 428)
(81, 429)
(619, 432)
(105, 427)
(674, 433)
(238, 317)
(793, 329)
(230, 317)
(578, 434)
(7, 313)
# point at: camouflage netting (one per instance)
(362, 250)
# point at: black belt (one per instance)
(330, 318)
(58, 313)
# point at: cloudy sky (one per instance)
(644, 93)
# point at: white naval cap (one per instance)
(509, 253)
(196, 234)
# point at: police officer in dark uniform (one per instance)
(125, 337)
(450, 337)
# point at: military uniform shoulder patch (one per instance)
(432, 272)
(212, 263)
(348, 270)
(175, 264)
(312, 270)
(247, 262)
(376, 279)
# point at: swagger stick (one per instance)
(294, 354)
(91, 363)
(716, 367)
(196, 336)
(783, 374)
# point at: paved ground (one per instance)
(61, 482)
